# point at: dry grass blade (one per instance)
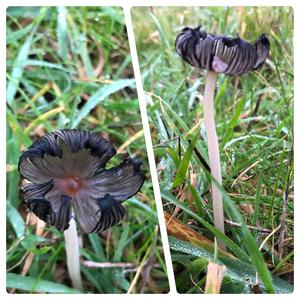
(40, 225)
(214, 278)
(185, 233)
(131, 140)
(96, 264)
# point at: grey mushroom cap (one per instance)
(67, 174)
(222, 54)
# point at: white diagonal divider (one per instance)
(143, 109)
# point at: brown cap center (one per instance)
(70, 185)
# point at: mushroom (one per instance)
(218, 54)
(68, 181)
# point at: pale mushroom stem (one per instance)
(73, 256)
(213, 150)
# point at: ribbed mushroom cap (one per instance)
(222, 54)
(67, 170)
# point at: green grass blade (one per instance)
(180, 176)
(97, 246)
(122, 243)
(257, 200)
(89, 274)
(13, 176)
(160, 29)
(25, 283)
(120, 280)
(62, 32)
(18, 132)
(197, 200)
(15, 35)
(283, 261)
(18, 68)
(15, 220)
(100, 95)
(84, 53)
(114, 13)
(170, 151)
(45, 64)
(230, 128)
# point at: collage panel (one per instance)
(81, 214)
(218, 84)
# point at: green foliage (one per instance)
(70, 67)
(254, 119)
(236, 271)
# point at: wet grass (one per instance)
(254, 117)
(71, 68)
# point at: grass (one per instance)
(70, 67)
(254, 118)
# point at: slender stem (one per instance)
(213, 149)
(72, 251)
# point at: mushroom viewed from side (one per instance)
(218, 54)
(68, 181)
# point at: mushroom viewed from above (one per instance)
(68, 180)
(66, 170)
(218, 54)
